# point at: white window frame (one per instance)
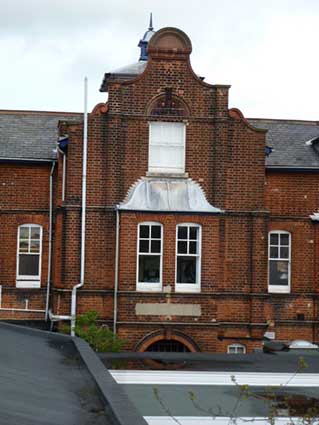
(279, 289)
(149, 286)
(27, 281)
(189, 287)
(153, 169)
(236, 347)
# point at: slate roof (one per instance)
(33, 135)
(132, 70)
(288, 139)
(30, 134)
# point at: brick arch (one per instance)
(168, 104)
(156, 336)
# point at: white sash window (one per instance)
(167, 147)
(29, 256)
(188, 257)
(149, 257)
(279, 249)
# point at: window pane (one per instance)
(193, 231)
(231, 350)
(156, 232)
(186, 269)
(284, 239)
(278, 272)
(35, 246)
(29, 265)
(273, 252)
(156, 246)
(149, 268)
(274, 239)
(24, 245)
(193, 247)
(144, 231)
(35, 232)
(182, 247)
(24, 233)
(182, 232)
(284, 252)
(144, 245)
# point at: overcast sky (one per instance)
(266, 49)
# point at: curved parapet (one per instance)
(237, 115)
(169, 40)
(100, 108)
(167, 195)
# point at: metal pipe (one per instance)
(116, 282)
(50, 242)
(58, 317)
(84, 166)
(63, 175)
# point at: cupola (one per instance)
(144, 41)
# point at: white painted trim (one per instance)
(190, 287)
(160, 377)
(220, 420)
(26, 281)
(24, 310)
(280, 289)
(149, 286)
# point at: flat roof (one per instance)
(52, 379)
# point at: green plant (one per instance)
(100, 337)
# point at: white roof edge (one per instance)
(209, 378)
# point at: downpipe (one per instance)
(84, 171)
(116, 271)
(50, 244)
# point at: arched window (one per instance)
(279, 254)
(188, 257)
(236, 349)
(149, 256)
(168, 346)
(168, 105)
(29, 256)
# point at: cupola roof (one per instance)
(144, 41)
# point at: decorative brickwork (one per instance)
(226, 156)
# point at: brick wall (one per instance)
(227, 157)
(24, 194)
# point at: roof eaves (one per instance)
(293, 169)
(33, 160)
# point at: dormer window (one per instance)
(166, 147)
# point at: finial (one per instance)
(150, 27)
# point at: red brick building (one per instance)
(200, 225)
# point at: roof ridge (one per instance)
(32, 112)
(292, 121)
